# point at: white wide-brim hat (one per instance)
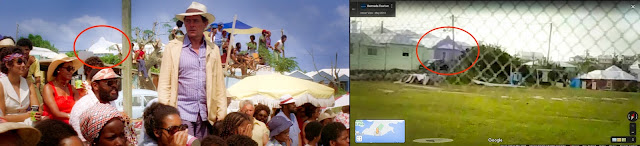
(60, 59)
(202, 11)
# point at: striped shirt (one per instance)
(192, 101)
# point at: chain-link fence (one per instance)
(589, 45)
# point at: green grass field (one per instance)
(471, 114)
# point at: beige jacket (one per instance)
(168, 82)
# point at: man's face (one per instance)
(292, 107)
(107, 89)
(219, 27)
(194, 25)
(25, 49)
(248, 109)
(284, 40)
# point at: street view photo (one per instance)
(500, 73)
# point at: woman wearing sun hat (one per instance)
(59, 96)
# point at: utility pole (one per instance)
(453, 34)
(549, 48)
(126, 72)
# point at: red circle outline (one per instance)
(108, 26)
(474, 62)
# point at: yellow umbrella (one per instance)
(267, 89)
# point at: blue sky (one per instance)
(320, 25)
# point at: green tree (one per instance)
(493, 65)
(70, 54)
(38, 41)
(283, 64)
(110, 59)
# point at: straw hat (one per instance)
(7, 42)
(60, 59)
(325, 116)
(195, 6)
(28, 134)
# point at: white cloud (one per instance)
(62, 35)
(343, 11)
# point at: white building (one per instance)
(383, 49)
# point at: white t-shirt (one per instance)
(280, 45)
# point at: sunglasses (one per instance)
(68, 68)
(20, 61)
(173, 129)
(112, 82)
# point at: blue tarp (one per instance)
(241, 28)
(576, 83)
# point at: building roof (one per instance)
(611, 73)
(448, 43)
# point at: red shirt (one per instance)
(140, 54)
(223, 58)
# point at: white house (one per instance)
(383, 49)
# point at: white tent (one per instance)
(44, 53)
(635, 68)
(103, 47)
(611, 73)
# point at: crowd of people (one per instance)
(191, 108)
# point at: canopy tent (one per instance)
(267, 89)
(611, 73)
(342, 101)
(635, 68)
(103, 47)
(241, 28)
(42, 52)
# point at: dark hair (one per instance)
(252, 36)
(93, 61)
(262, 107)
(24, 42)
(312, 130)
(284, 36)
(216, 128)
(53, 131)
(331, 132)
(231, 123)
(4, 67)
(204, 19)
(213, 140)
(309, 109)
(241, 140)
(153, 116)
(179, 23)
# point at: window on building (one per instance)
(372, 51)
(444, 55)
(405, 54)
(350, 48)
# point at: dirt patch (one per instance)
(538, 97)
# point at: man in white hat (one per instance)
(287, 110)
(191, 76)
